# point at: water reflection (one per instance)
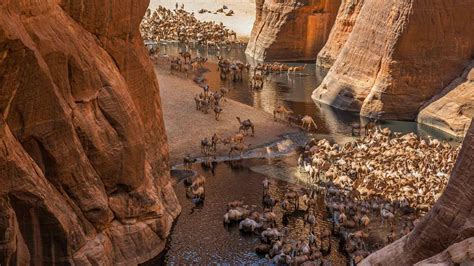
(199, 235)
(293, 91)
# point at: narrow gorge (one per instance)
(102, 101)
(403, 60)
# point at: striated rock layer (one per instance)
(450, 221)
(290, 29)
(84, 177)
(396, 56)
(453, 109)
(345, 21)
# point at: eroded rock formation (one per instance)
(345, 21)
(397, 55)
(453, 108)
(449, 221)
(84, 177)
(290, 29)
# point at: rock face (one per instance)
(451, 220)
(396, 56)
(84, 177)
(290, 29)
(345, 21)
(453, 109)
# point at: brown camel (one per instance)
(307, 121)
(281, 110)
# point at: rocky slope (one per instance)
(83, 154)
(450, 221)
(290, 29)
(389, 58)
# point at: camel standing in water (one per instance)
(185, 56)
(240, 147)
(281, 110)
(296, 69)
(257, 82)
(307, 121)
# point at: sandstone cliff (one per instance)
(345, 21)
(449, 221)
(84, 177)
(396, 56)
(290, 29)
(453, 109)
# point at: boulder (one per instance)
(453, 108)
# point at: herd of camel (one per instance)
(373, 190)
(179, 25)
(375, 187)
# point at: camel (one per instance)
(307, 121)
(197, 99)
(281, 110)
(235, 215)
(188, 161)
(245, 126)
(240, 147)
(217, 112)
(198, 192)
(257, 82)
(224, 92)
(269, 202)
(296, 69)
(234, 204)
(205, 146)
(292, 196)
(249, 226)
(236, 73)
(270, 234)
(185, 56)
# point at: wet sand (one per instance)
(186, 127)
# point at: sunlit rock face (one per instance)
(452, 109)
(84, 177)
(290, 29)
(388, 58)
(450, 221)
(345, 21)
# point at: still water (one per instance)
(293, 91)
(199, 235)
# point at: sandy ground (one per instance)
(241, 22)
(186, 127)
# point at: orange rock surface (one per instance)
(397, 56)
(83, 154)
(453, 108)
(290, 29)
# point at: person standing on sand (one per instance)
(176, 6)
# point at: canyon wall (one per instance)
(388, 58)
(345, 21)
(445, 234)
(453, 108)
(291, 29)
(84, 177)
